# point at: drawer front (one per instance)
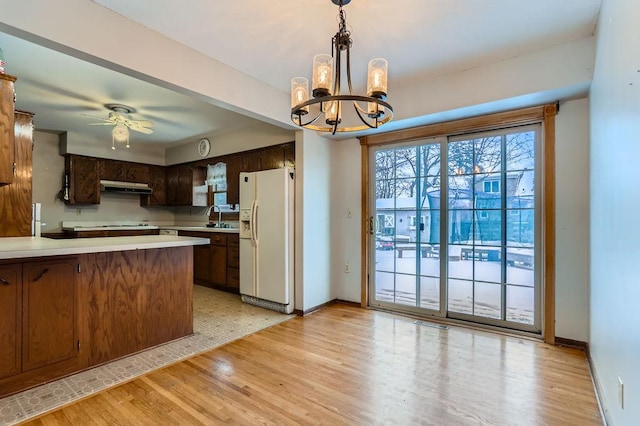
(233, 240)
(218, 240)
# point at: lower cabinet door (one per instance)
(10, 317)
(49, 312)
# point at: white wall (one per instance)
(87, 30)
(48, 174)
(346, 171)
(572, 199)
(313, 225)
(615, 196)
(253, 137)
(83, 144)
(572, 220)
(539, 77)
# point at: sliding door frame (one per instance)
(544, 115)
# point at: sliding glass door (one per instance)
(407, 267)
(466, 246)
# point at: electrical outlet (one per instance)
(78, 211)
(349, 213)
(347, 268)
(621, 393)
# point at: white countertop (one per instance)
(24, 247)
(202, 229)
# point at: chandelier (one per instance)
(328, 103)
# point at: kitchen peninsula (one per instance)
(71, 304)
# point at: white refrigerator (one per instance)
(267, 239)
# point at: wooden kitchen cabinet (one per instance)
(251, 161)
(272, 158)
(39, 322)
(83, 174)
(202, 263)
(124, 171)
(10, 319)
(112, 170)
(179, 185)
(216, 265)
(49, 313)
(233, 263)
(15, 198)
(218, 256)
(234, 166)
(158, 184)
(7, 109)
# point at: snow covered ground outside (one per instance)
(474, 285)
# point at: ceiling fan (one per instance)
(118, 117)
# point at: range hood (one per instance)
(125, 187)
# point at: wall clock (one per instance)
(204, 146)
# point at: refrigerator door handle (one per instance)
(254, 221)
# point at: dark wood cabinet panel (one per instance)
(10, 319)
(218, 266)
(137, 299)
(179, 185)
(272, 158)
(218, 256)
(233, 263)
(234, 166)
(84, 179)
(158, 184)
(15, 198)
(251, 161)
(290, 154)
(167, 295)
(201, 263)
(136, 172)
(7, 109)
(112, 170)
(49, 313)
(124, 171)
(233, 251)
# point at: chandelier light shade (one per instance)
(325, 107)
(120, 134)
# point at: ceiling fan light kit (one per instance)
(372, 110)
(118, 117)
(120, 134)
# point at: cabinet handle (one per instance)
(4, 282)
(42, 274)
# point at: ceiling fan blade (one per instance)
(107, 123)
(142, 126)
(144, 130)
(97, 118)
(144, 123)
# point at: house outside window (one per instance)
(492, 186)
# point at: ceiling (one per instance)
(276, 40)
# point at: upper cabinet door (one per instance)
(15, 199)
(137, 173)
(272, 158)
(84, 179)
(112, 170)
(234, 165)
(7, 144)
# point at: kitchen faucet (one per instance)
(213, 207)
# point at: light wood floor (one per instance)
(346, 365)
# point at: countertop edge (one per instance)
(26, 247)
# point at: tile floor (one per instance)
(218, 318)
